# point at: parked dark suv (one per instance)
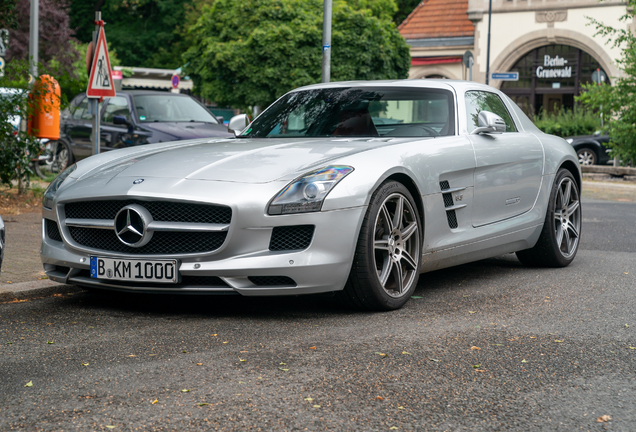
(134, 118)
(591, 149)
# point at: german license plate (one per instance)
(163, 271)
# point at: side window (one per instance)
(478, 101)
(117, 106)
(80, 111)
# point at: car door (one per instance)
(78, 128)
(508, 166)
(120, 136)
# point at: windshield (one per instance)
(171, 108)
(357, 112)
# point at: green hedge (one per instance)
(565, 123)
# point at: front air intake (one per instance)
(286, 238)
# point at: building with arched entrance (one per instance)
(550, 43)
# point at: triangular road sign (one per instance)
(100, 83)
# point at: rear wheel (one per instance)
(586, 156)
(559, 240)
(386, 264)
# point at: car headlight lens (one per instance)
(307, 193)
(569, 140)
(51, 191)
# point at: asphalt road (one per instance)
(488, 346)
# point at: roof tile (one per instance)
(438, 18)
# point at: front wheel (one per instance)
(54, 159)
(386, 265)
(559, 239)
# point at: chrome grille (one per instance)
(164, 211)
(163, 242)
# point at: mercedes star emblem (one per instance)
(131, 225)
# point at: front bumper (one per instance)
(323, 267)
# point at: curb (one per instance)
(608, 170)
(609, 184)
(30, 290)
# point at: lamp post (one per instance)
(488, 48)
(326, 42)
(34, 35)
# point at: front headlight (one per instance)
(570, 140)
(51, 191)
(306, 193)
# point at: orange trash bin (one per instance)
(44, 121)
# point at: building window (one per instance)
(550, 77)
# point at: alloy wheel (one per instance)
(396, 245)
(567, 215)
(586, 157)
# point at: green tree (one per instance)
(145, 33)
(618, 102)
(251, 52)
(404, 8)
(8, 14)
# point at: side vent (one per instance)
(52, 230)
(447, 195)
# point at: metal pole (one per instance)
(34, 35)
(326, 42)
(488, 49)
(470, 69)
(94, 101)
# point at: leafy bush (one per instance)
(16, 146)
(617, 101)
(565, 123)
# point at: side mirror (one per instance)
(120, 120)
(489, 123)
(238, 123)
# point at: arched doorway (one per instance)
(549, 78)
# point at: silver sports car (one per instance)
(351, 187)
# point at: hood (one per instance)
(596, 137)
(256, 160)
(189, 130)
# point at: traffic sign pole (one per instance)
(100, 81)
(95, 102)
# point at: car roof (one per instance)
(151, 92)
(421, 83)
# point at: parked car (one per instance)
(314, 196)
(591, 149)
(134, 118)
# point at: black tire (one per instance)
(386, 250)
(560, 238)
(56, 163)
(587, 156)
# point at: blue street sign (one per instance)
(507, 76)
(175, 81)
